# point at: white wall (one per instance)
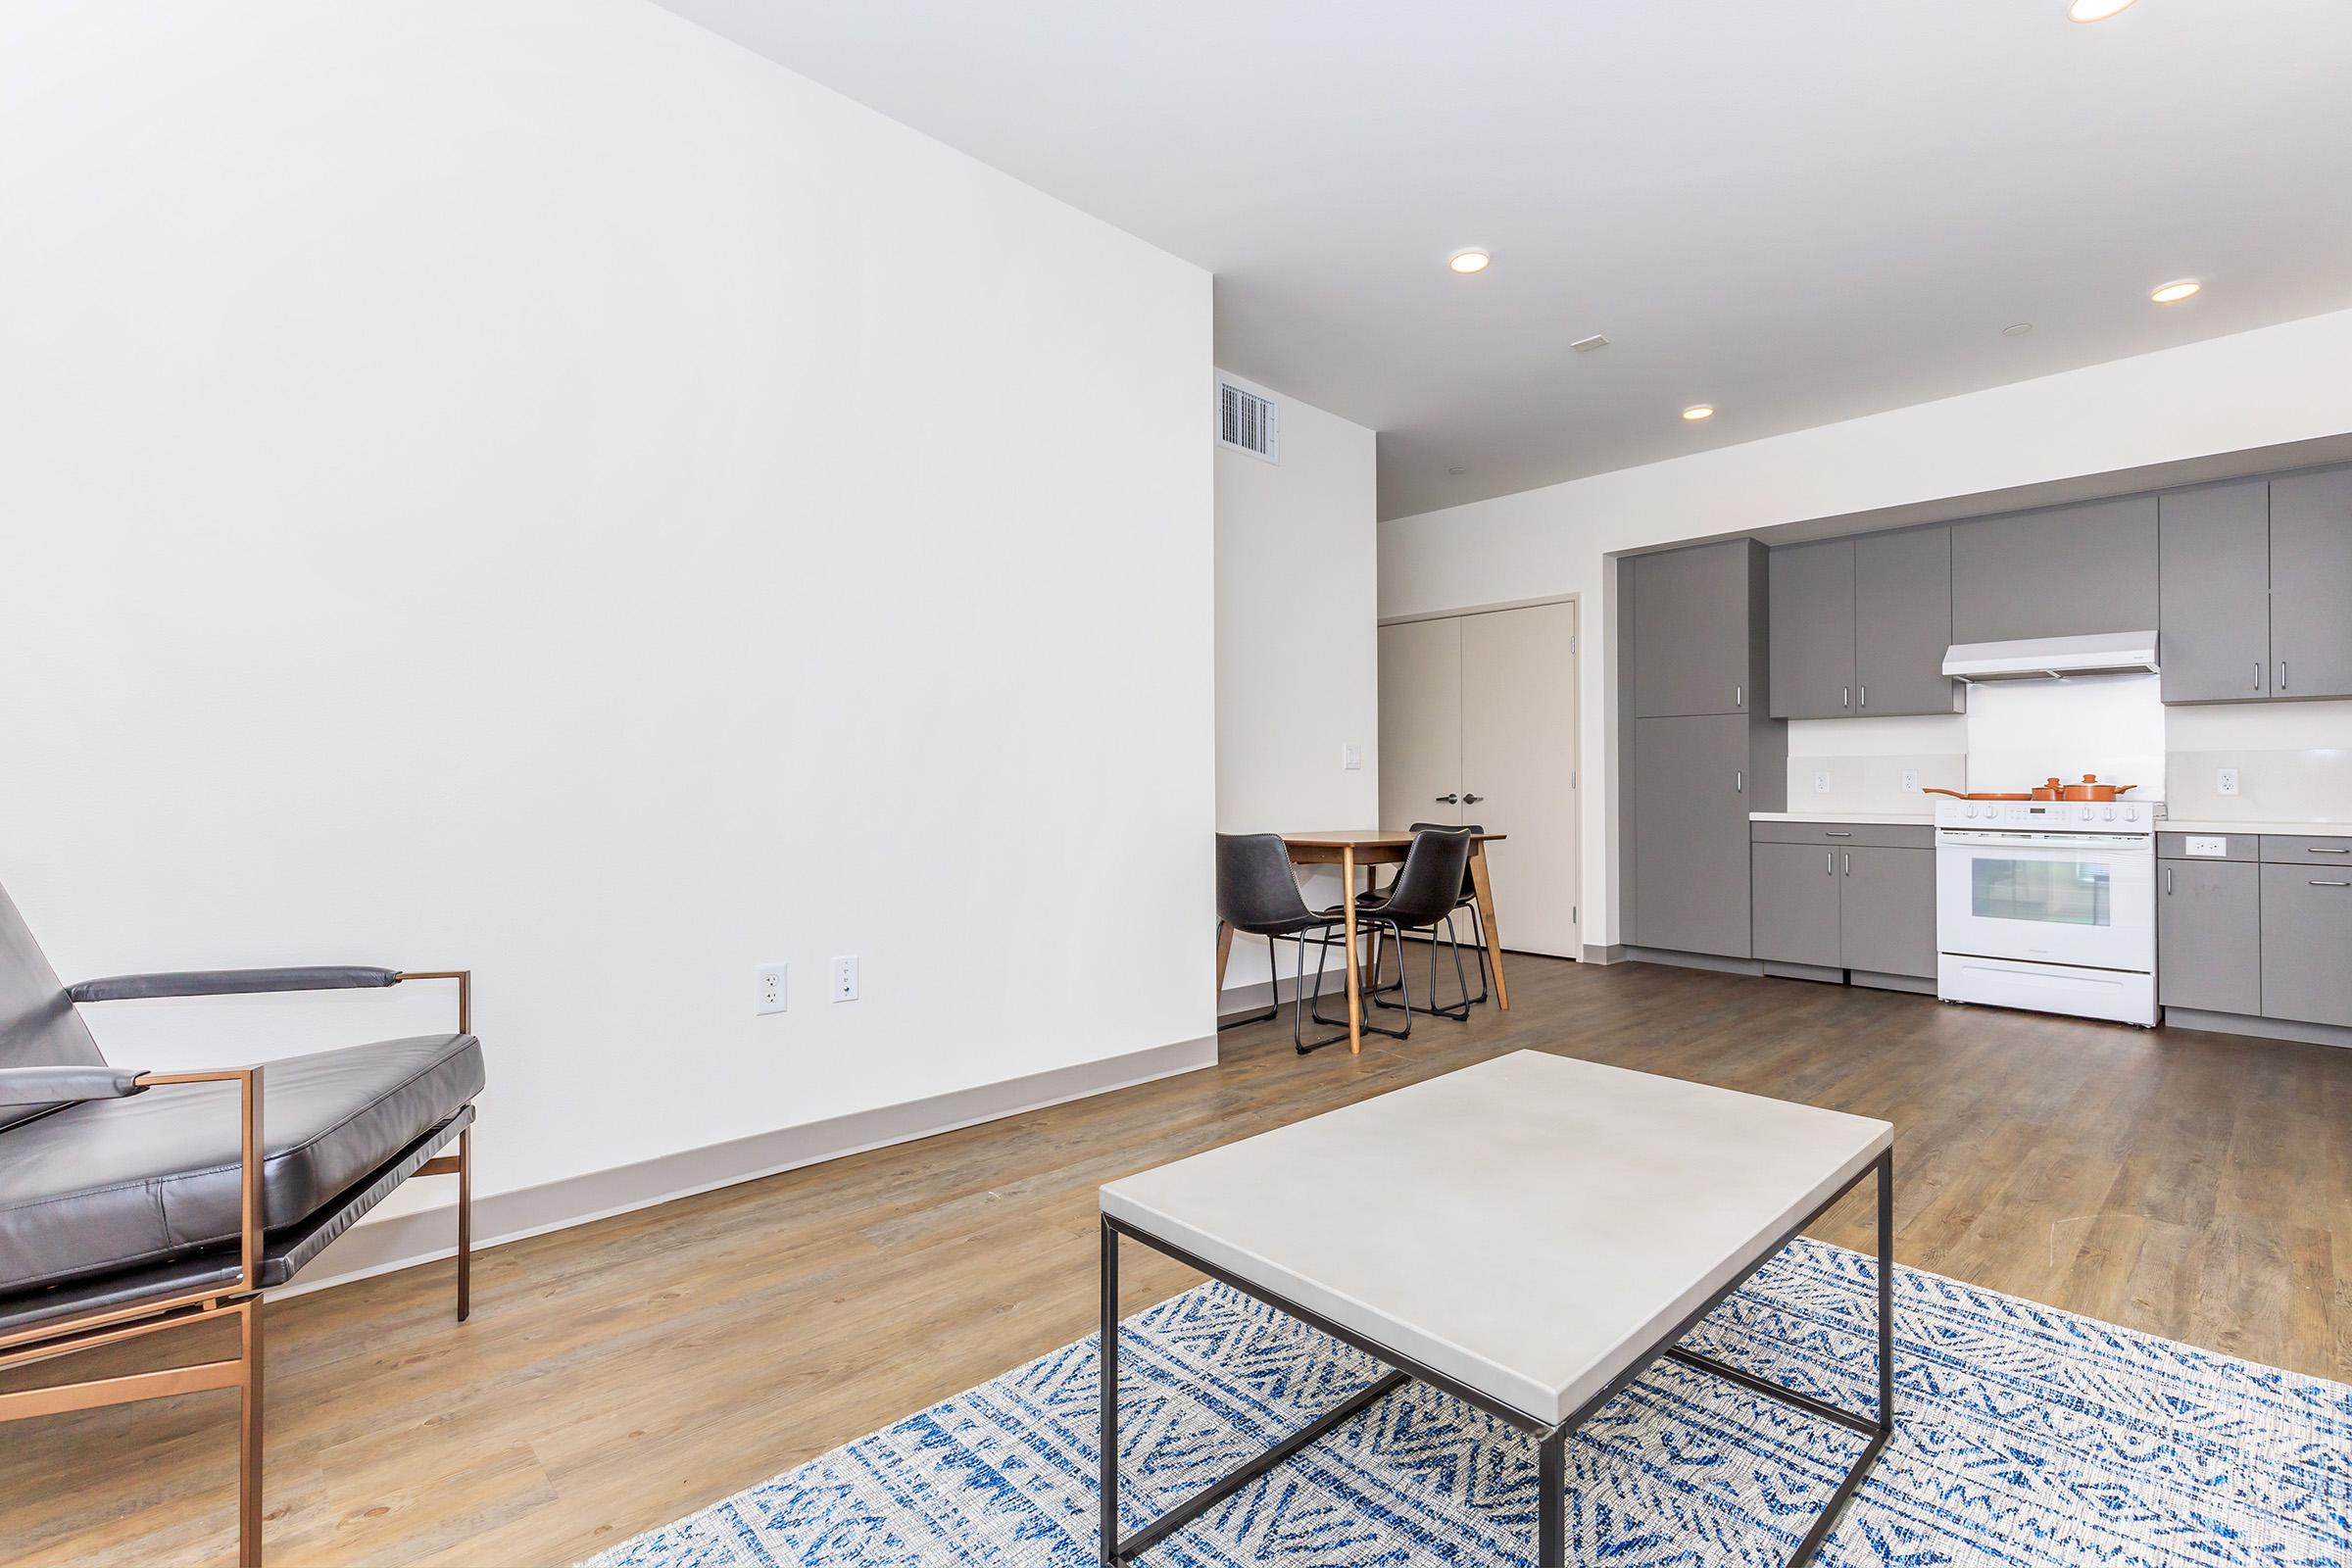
(1297, 647)
(2256, 389)
(540, 488)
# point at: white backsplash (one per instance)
(2294, 759)
(2021, 732)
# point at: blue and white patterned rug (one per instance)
(2025, 1436)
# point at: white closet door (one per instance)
(1420, 721)
(1518, 747)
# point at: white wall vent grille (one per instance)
(1248, 423)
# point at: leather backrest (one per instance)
(1430, 883)
(1468, 890)
(38, 1026)
(1256, 889)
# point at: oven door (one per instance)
(2086, 899)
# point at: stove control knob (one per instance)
(2110, 813)
(2086, 814)
(2131, 814)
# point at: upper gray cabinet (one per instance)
(1813, 630)
(2310, 585)
(2257, 590)
(1903, 623)
(1698, 618)
(2215, 614)
(1859, 626)
(2059, 574)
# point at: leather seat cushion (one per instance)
(109, 1184)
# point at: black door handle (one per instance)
(1472, 800)
(1448, 800)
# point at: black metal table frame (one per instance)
(1552, 1440)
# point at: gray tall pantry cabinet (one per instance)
(1705, 751)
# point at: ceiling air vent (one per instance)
(1248, 423)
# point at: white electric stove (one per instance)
(2048, 905)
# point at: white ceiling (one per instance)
(1800, 210)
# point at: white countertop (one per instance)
(2309, 830)
(1870, 818)
(1531, 1226)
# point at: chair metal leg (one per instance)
(1365, 924)
(1273, 1001)
(465, 1224)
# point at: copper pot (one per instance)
(2092, 790)
(2051, 791)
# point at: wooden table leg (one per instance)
(1224, 952)
(1485, 890)
(1356, 1000)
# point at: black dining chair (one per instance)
(1467, 902)
(1421, 898)
(1258, 892)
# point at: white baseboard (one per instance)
(404, 1240)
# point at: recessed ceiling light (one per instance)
(1699, 411)
(2175, 292)
(2095, 10)
(1468, 262)
(2016, 329)
(1457, 469)
(1586, 345)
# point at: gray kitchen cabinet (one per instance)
(1690, 840)
(2208, 943)
(2214, 611)
(1698, 619)
(2306, 933)
(2310, 585)
(1812, 601)
(2058, 573)
(1902, 624)
(1794, 905)
(1887, 910)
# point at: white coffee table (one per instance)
(1528, 1235)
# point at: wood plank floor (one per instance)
(620, 1375)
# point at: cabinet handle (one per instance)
(1845, 697)
(2258, 674)
(1849, 865)
(2282, 674)
(1739, 697)
(2308, 848)
(2317, 883)
(1739, 781)
(1832, 833)
(1866, 694)
(1828, 862)
(2168, 881)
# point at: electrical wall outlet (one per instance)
(1351, 756)
(845, 978)
(1910, 781)
(1821, 783)
(773, 989)
(2225, 780)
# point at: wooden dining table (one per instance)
(1350, 847)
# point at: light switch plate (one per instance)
(1351, 756)
(845, 978)
(2215, 847)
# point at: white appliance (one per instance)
(2049, 905)
(2120, 653)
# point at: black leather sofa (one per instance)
(134, 1201)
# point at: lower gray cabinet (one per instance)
(1692, 796)
(2208, 951)
(1867, 907)
(1887, 910)
(1795, 903)
(2306, 940)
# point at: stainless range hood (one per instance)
(2110, 652)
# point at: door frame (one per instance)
(1576, 754)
